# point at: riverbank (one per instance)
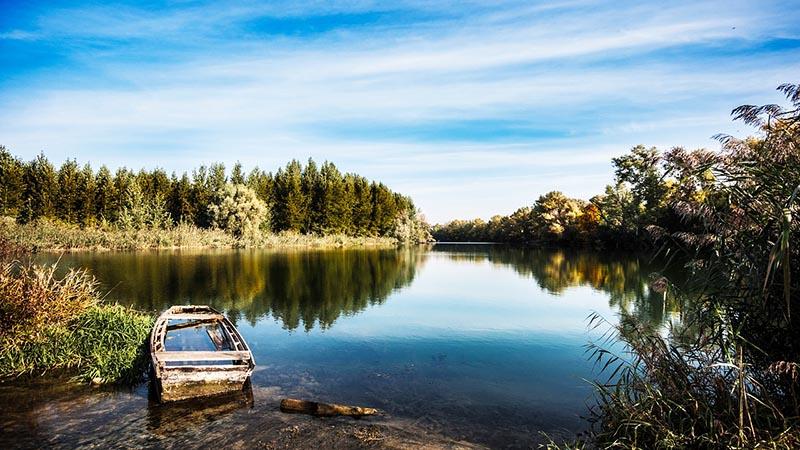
(52, 323)
(48, 235)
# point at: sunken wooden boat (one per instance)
(197, 352)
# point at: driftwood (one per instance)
(290, 405)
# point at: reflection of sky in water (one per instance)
(485, 343)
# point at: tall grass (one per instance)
(52, 235)
(47, 323)
(730, 376)
(32, 298)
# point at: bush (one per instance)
(58, 323)
(238, 210)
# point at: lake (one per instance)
(465, 343)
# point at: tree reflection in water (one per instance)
(623, 276)
(308, 288)
(299, 288)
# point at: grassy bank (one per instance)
(727, 376)
(58, 236)
(49, 323)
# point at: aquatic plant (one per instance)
(33, 298)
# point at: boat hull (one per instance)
(180, 373)
(182, 383)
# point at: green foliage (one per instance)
(238, 210)
(104, 344)
(139, 212)
(105, 196)
(292, 197)
(411, 228)
(730, 377)
(11, 183)
(47, 322)
(554, 218)
(301, 199)
(641, 169)
(555, 215)
(40, 183)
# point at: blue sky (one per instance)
(472, 108)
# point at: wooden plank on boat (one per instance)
(202, 356)
(189, 324)
(194, 316)
(291, 405)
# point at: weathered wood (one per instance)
(190, 324)
(194, 316)
(202, 356)
(217, 337)
(290, 405)
(203, 372)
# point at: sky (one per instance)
(471, 108)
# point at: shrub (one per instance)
(58, 323)
(238, 210)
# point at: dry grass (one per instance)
(32, 298)
(51, 235)
(47, 322)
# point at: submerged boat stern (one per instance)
(183, 383)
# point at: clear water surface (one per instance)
(478, 343)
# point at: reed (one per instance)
(51, 235)
(49, 322)
(729, 376)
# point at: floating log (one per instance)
(290, 405)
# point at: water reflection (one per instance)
(299, 288)
(624, 277)
(304, 289)
(477, 343)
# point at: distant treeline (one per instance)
(649, 189)
(300, 198)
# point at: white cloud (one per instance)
(594, 73)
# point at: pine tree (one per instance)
(12, 172)
(291, 208)
(200, 196)
(362, 206)
(40, 189)
(261, 183)
(313, 196)
(122, 182)
(237, 174)
(105, 208)
(84, 197)
(67, 191)
(334, 214)
(383, 209)
(181, 208)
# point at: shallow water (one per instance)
(476, 343)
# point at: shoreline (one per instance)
(52, 236)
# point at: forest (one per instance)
(649, 189)
(308, 199)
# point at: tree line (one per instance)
(300, 198)
(649, 189)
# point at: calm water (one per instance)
(479, 343)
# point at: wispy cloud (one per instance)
(472, 108)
